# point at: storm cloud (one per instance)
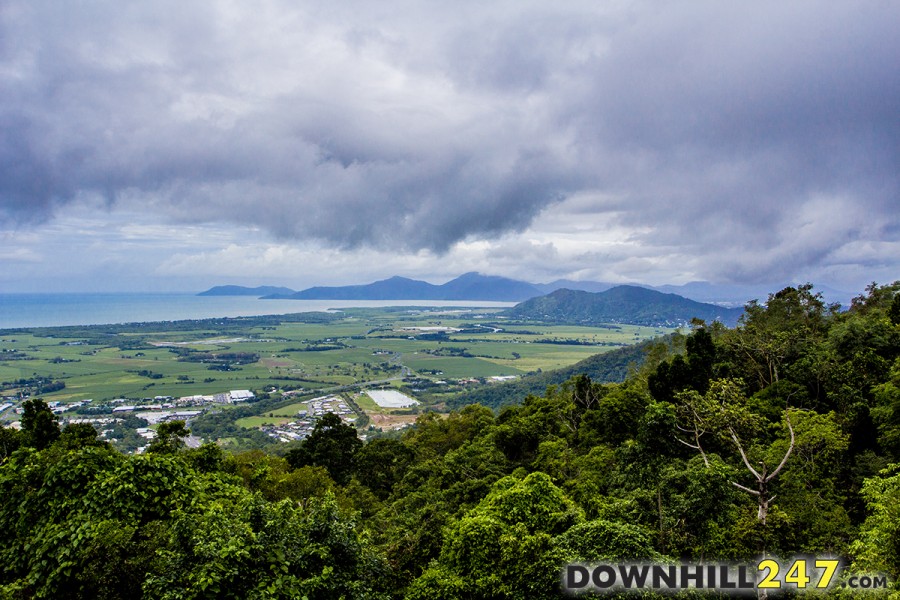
(753, 141)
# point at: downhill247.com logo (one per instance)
(766, 574)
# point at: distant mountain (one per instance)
(568, 284)
(474, 286)
(725, 295)
(621, 304)
(237, 290)
(471, 286)
(738, 295)
(701, 291)
(395, 288)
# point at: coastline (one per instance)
(23, 310)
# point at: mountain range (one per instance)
(474, 286)
(471, 286)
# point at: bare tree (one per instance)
(721, 411)
(694, 406)
(763, 478)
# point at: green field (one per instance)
(357, 346)
(254, 422)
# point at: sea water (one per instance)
(53, 310)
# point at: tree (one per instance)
(168, 438)
(763, 478)
(878, 547)
(723, 411)
(583, 392)
(504, 547)
(886, 413)
(435, 436)
(601, 539)
(10, 440)
(274, 477)
(249, 548)
(693, 370)
(332, 445)
(615, 417)
(812, 488)
(39, 424)
(382, 463)
(894, 311)
(769, 337)
(78, 435)
(208, 458)
(93, 523)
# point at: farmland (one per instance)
(430, 354)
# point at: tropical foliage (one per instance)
(781, 436)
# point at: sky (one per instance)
(176, 145)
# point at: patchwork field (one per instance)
(426, 353)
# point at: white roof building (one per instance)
(241, 395)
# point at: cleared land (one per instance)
(429, 354)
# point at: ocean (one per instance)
(53, 310)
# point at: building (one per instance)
(241, 395)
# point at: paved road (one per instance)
(405, 372)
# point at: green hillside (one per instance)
(607, 367)
(621, 304)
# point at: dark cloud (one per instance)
(713, 130)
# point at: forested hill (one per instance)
(608, 367)
(621, 304)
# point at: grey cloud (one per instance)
(757, 114)
(707, 125)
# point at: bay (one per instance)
(54, 310)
